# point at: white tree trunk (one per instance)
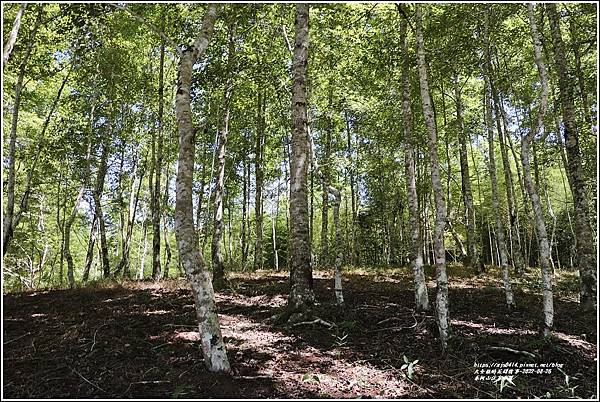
(8, 46)
(547, 297)
(213, 347)
(442, 302)
(416, 254)
(301, 295)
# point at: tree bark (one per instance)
(513, 227)
(213, 347)
(217, 257)
(526, 143)
(353, 248)
(12, 38)
(473, 257)
(416, 251)
(584, 239)
(155, 194)
(134, 195)
(8, 224)
(301, 297)
(502, 249)
(339, 252)
(326, 178)
(97, 194)
(89, 257)
(259, 177)
(442, 301)
(165, 202)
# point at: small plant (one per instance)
(409, 367)
(341, 341)
(309, 377)
(567, 387)
(506, 381)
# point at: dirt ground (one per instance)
(139, 340)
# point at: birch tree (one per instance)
(213, 347)
(442, 301)
(301, 297)
(526, 143)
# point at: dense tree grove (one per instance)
(149, 141)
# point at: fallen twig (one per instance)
(180, 325)
(16, 339)
(315, 321)
(94, 340)
(88, 381)
(252, 377)
(510, 350)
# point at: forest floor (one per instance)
(139, 340)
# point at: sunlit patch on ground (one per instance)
(140, 340)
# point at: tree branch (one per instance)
(151, 26)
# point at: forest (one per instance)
(299, 200)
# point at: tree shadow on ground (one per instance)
(140, 340)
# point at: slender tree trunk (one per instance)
(134, 195)
(473, 258)
(578, 71)
(69, 222)
(416, 251)
(258, 168)
(513, 231)
(353, 248)
(245, 215)
(301, 297)
(145, 249)
(89, 257)
(98, 190)
(12, 38)
(274, 226)
(165, 202)
(442, 301)
(8, 224)
(339, 252)
(155, 194)
(547, 297)
(217, 257)
(213, 347)
(502, 249)
(326, 178)
(585, 242)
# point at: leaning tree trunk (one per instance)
(526, 143)
(416, 253)
(301, 297)
(584, 238)
(217, 256)
(8, 224)
(213, 347)
(12, 38)
(442, 301)
(503, 252)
